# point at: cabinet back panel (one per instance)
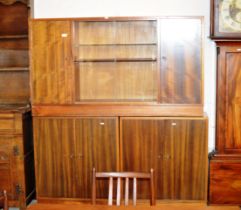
(119, 32)
(181, 57)
(14, 87)
(13, 58)
(14, 19)
(121, 81)
(233, 139)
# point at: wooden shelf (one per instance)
(14, 69)
(118, 60)
(24, 36)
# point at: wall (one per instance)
(88, 8)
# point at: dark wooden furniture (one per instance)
(225, 163)
(118, 94)
(16, 154)
(4, 200)
(128, 177)
(16, 143)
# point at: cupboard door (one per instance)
(229, 101)
(54, 157)
(184, 162)
(175, 148)
(181, 61)
(52, 63)
(96, 147)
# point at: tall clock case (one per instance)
(226, 19)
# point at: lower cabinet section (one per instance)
(225, 182)
(67, 148)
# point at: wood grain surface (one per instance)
(52, 63)
(66, 150)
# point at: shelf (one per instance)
(116, 44)
(118, 60)
(14, 69)
(25, 36)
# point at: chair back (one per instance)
(127, 176)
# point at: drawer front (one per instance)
(225, 182)
(6, 124)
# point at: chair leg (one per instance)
(152, 201)
(5, 200)
(93, 188)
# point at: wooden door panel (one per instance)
(184, 165)
(233, 139)
(97, 145)
(140, 150)
(181, 61)
(52, 63)
(54, 150)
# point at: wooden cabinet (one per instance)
(16, 155)
(66, 151)
(175, 148)
(94, 80)
(16, 141)
(228, 133)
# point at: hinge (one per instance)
(16, 151)
(18, 189)
(218, 50)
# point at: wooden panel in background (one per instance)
(116, 32)
(14, 87)
(175, 148)
(233, 64)
(181, 61)
(13, 19)
(52, 62)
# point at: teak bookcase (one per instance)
(16, 137)
(118, 93)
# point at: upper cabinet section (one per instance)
(146, 62)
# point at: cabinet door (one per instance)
(67, 149)
(181, 61)
(176, 149)
(54, 157)
(52, 63)
(96, 147)
(229, 101)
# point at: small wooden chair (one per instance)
(3, 200)
(126, 176)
